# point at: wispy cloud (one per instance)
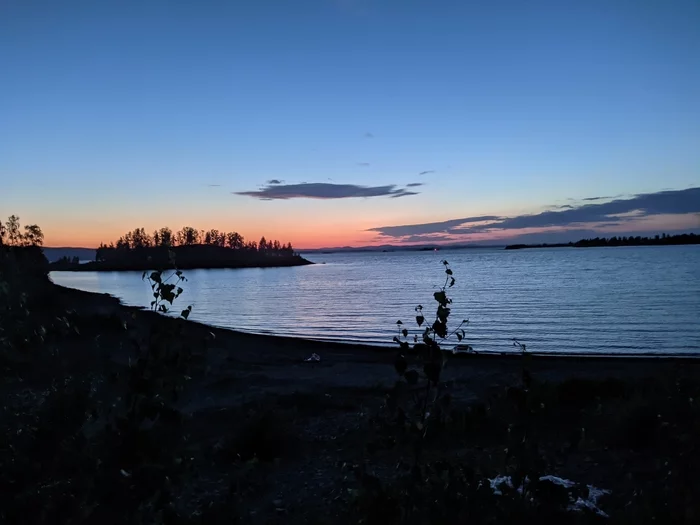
(363, 164)
(213, 185)
(403, 193)
(430, 227)
(323, 190)
(590, 199)
(426, 172)
(615, 213)
(414, 184)
(274, 181)
(368, 135)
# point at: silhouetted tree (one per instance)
(188, 236)
(14, 236)
(220, 238)
(140, 239)
(166, 237)
(212, 237)
(123, 243)
(234, 240)
(11, 233)
(33, 236)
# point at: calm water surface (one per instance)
(593, 300)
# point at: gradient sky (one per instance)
(116, 115)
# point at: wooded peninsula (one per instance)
(188, 248)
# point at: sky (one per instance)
(351, 122)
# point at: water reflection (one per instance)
(636, 299)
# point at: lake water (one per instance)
(559, 300)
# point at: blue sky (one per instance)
(123, 114)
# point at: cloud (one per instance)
(368, 135)
(664, 202)
(426, 172)
(214, 185)
(615, 213)
(274, 181)
(363, 164)
(428, 238)
(431, 227)
(403, 193)
(590, 199)
(414, 184)
(323, 190)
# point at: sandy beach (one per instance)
(265, 364)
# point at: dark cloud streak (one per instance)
(403, 193)
(323, 190)
(431, 227)
(614, 213)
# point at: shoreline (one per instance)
(583, 244)
(388, 349)
(241, 367)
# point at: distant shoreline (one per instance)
(214, 265)
(617, 242)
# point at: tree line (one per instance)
(658, 240)
(663, 239)
(11, 233)
(139, 239)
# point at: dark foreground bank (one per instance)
(249, 432)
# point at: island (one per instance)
(186, 249)
(658, 240)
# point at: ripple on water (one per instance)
(596, 300)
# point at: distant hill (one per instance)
(402, 248)
(84, 254)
